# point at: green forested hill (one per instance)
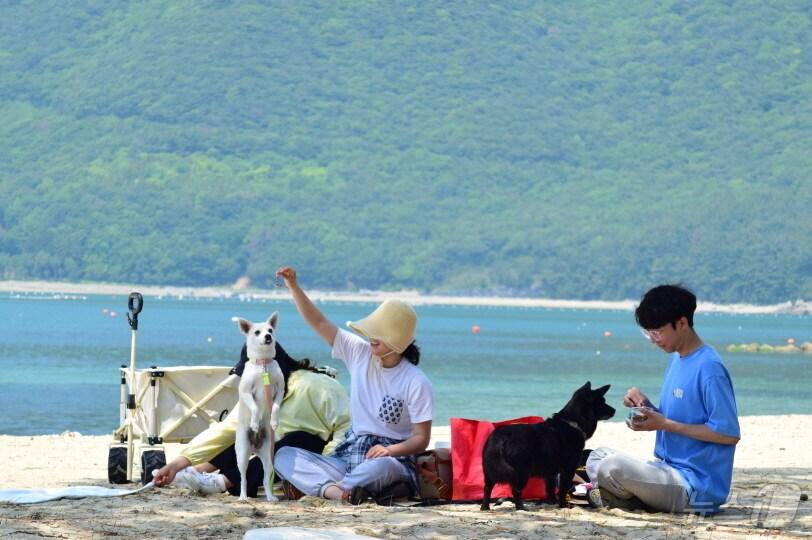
(577, 149)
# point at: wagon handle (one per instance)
(136, 304)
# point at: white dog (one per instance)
(257, 417)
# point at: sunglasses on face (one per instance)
(651, 335)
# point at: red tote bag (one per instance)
(467, 441)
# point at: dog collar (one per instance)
(576, 426)
(262, 361)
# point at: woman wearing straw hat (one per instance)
(391, 407)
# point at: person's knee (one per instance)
(380, 473)
(594, 460)
(597, 455)
(610, 471)
(283, 460)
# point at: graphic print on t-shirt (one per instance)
(390, 409)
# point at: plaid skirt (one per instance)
(353, 449)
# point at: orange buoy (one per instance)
(607, 333)
(791, 341)
(475, 329)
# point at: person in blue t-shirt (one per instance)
(696, 422)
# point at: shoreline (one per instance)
(24, 288)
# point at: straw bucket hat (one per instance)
(392, 323)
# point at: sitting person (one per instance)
(696, 422)
(314, 415)
(391, 404)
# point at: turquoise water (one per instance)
(59, 358)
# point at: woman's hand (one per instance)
(167, 473)
(309, 312)
(288, 273)
(378, 451)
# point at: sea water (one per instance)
(60, 355)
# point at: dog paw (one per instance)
(272, 498)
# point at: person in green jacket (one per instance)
(314, 416)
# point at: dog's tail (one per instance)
(255, 438)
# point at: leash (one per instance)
(269, 395)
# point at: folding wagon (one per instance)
(163, 405)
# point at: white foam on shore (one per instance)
(71, 290)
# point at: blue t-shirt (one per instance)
(697, 390)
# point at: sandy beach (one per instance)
(772, 471)
(416, 298)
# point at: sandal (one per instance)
(291, 492)
(398, 490)
(356, 495)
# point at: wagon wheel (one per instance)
(117, 465)
(150, 460)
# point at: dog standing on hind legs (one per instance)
(551, 449)
(261, 390)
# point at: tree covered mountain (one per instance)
(581, 149)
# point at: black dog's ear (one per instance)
(602, 390)
(584, 390)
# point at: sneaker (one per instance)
(200, 482)
(580, 491)
(601, 498)
(359, 495)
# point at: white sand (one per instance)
(772, 469)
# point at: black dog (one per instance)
(551, 449)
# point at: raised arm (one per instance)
(309, 312)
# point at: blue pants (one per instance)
(313, 473)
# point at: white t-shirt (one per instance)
(383, 401)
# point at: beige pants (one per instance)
(658, 485)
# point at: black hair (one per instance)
(286, 362)
(412, 353)
(665, 304)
